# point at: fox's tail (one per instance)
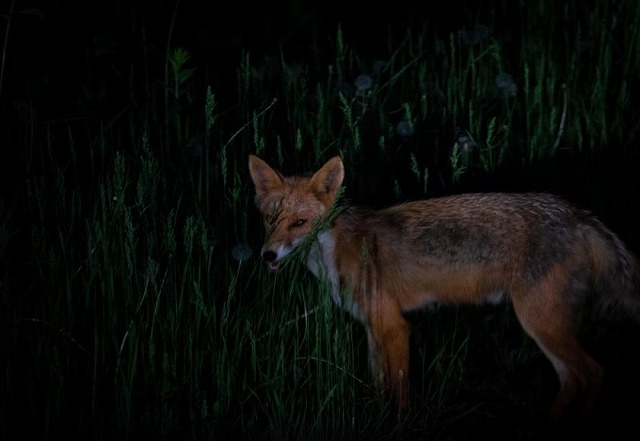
(617, 271)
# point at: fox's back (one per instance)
(527, 232)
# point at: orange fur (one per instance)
(533, 248)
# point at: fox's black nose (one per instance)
(269, 256)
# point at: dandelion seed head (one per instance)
(404, 128)
(363, 82)
(193, 149)
(506, 85)
(241, 252)
(476, 35)
(464, 140)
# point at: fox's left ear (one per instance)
(326, 182)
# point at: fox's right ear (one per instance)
(265, 179)
(326, 182)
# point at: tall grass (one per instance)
(134, 300)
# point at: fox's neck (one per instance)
(322, 258)
(321, 261)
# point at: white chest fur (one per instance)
(322, 263)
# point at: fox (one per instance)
(545, 256)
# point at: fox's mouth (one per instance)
(271, 257)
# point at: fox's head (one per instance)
(290, 205)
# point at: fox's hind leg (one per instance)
(548, 317)
(579, 375)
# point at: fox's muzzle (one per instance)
(270, 257)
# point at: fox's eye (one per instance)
(299, 223)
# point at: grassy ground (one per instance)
(134, 303)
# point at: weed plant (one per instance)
(134, 301)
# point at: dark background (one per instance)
(91, 62)
(60, 50)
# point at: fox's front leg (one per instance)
(388, 337)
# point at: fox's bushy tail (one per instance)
(617, 272)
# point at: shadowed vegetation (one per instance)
(134, 303)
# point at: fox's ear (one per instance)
(327, 181)
(265, 179)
